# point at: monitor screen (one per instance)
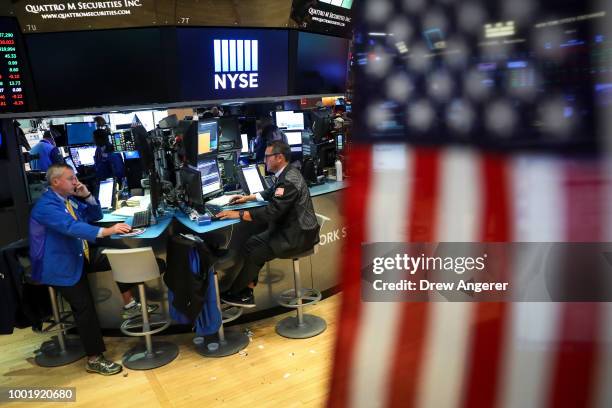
(245, 143)
(192, 183)
(131, 155)
(290, 120)
(211, 179)
(294, 138)
(105, 193)
(69, 162)
(80, 133)
(83, 155)
(339, 142)
(207, 137)
(253, 179)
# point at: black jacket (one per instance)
(189, 290)
(292, 223)
(23, 304)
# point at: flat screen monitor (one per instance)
(251, 180)
(294, 138)
(106, 193)
(71, 164)
(80, 133)
(229, 134)
(83, 155)
(339, 142)
(191, 180)
(131, 155)
(245, 143)
(210, 177)
(207, 137)
(290, 120)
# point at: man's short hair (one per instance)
(55, 170)
(48, 135)
(281, 147)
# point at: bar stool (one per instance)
(303, 325)
(60, 350)
(232, 341)
(138, 265)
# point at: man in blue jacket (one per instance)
(45, 153)
(59, 235)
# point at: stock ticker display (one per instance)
(12, 72)
(506, 74)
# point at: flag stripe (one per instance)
(405, 372)
(359, 164)
(488, 321)
(385, 221)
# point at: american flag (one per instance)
(456, 354)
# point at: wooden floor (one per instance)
(273, 372)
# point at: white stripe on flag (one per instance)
(528, 355)
(247, 55)
(460, 196)
(240, 55)
(387, 212)
(224, 57)
(539, 199)
(445, 355)
(446, 350)
(254, 61)
(217, 47)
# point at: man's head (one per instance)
(61, 179)
(48, 136)
(277, 155)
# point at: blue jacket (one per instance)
(48, 154)
(56, 249)
(108, 163)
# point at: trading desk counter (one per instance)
(320, 270)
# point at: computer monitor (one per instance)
(106, 193)
(210, 177)
(244, 138)
(59, 134)
(83, 155)
(80, 132)
(69, 162)
(207, 137)
(339, 142)
(123, 126)
(191, 181)
(131, 155)
(294, 137)
(229, 134)
(144, 147)
(290, 120)
(251, 180)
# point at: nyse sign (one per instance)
(236, 64)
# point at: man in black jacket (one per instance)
(292, 225)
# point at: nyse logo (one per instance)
(236, 64)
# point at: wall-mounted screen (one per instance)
(13, 72)
(231, 63)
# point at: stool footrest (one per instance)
(230, 313)
(136, 322)
(309, 296)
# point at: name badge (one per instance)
(279, 192)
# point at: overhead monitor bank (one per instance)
(146, 66)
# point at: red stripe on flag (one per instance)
(354, 209)
(489, 320)
(411, 337)
(575, 364)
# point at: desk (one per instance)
(153, 231)
(218, 224)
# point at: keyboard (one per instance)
(220, 201)
(142, 219)
(213, 209)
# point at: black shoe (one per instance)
(103, 366)
(242, 299)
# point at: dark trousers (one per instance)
(99, 262)
(81, 302)
(256, 253)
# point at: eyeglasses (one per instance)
(270, 155)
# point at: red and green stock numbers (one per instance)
(11, 86)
